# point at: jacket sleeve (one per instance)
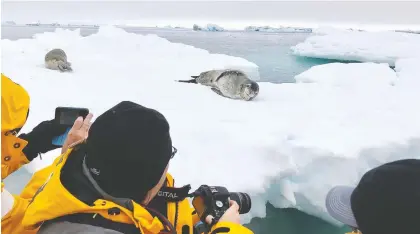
(231, 228)
(222, 227)
(14, 158)
(13, 214)
(8, 168)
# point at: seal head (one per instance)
(249, 91)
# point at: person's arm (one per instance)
(230, 227)
(39, 141)
(77, 134)
(24, 148)
(228, 223)
(41, 137)
(14, 207)
(14, 158)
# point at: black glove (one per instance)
(40, 138)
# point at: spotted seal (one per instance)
(233, 84)
(56, 59)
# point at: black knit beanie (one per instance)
(128, 149)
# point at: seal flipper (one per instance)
(218, 92)
(64, 66)
(194, 80)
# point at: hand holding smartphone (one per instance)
(66, 116)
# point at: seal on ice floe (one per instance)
(232, 84)
(56, 59)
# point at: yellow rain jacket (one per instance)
(354, 232)
(53, 200)
(14, 110)
(45, 198)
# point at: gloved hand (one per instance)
(40, 138)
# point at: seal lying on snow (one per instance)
(227, 83)
(56, 59)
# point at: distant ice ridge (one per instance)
(380, 47)
(409, 31)
(288, 147)
(208, 27)
(280, 29)
(196, 27)
(9, 23)
(217, 28)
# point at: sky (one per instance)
(230, 14)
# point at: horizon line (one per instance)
(228, 25)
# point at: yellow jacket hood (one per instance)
(14, 105)
(14, 111)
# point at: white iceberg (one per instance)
(347, 45)
(208, 27)
(288, 147)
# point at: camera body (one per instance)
(214, 200)
(211, 200)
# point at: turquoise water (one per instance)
(271, 52)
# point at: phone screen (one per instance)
(67, 116)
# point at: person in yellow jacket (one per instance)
(385, 201)
(111, 183)
(15, 102)
(18, 150)
(14, 113)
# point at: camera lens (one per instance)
(243, 200)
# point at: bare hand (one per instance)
(231, 214)
(78, 133)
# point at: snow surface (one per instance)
(289, 146)
(380, 47)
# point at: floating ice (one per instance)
(289, 146)
(280, 29)
(377, 89)
(208, 27)
(380, 47)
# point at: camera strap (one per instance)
(171, 194)
(126, 202)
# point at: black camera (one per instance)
(214, 200)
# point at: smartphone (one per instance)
(66, 116)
